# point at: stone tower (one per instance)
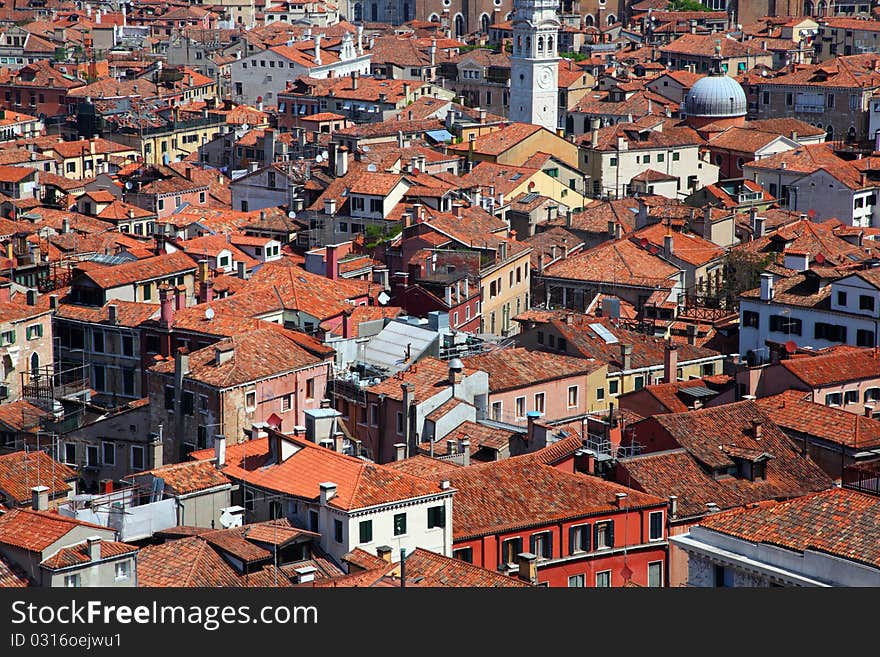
(534, 64)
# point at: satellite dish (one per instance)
(245, 126)
(291, 215)
(372, 168)
(209, 313)
(383, 298)
(318, 158)
(365, 149)
(791, 346)
(325, 155)
(128, 185)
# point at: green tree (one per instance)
(742, 272)
(687, 5)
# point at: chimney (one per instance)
(317, 50)
(40, 498)
(465, 450)
(268, 149)
(757, 429)
(166, 307)
(619, 500)
(766, 287)
(568, 218)
(53, 302)
(220, 451)
(670, 362)
(240, 270)
(673, 506)
(399, 451)
(594, 134)
(531, 418)
(869, 410)
(502, 251)
(384, 552)
(712, 507)
(305, 574)
(179, 297)
(328, 492)
(626, 356)
(332, 251)
(112, 314)
(354, 80)
(692, 334)
(540, 263)
(181, 365)
(642, 216)
(94, 546)
(342, 162)
(223, 352)
(528, 567)
(330, 206)
(65, 225)
(668, 248)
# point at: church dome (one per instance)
(716, 96)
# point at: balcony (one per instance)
(809, 109)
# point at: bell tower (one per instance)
(534, 64)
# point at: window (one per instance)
(92, 455)
(70, 453)
(655, 521)
(313, 520)
(613, 162)
(374, 415)
(137, 457)
(577, 581)
(864, 338)
(337, 530)
(841, 298)
(600, 394)
(639, 383)
(34, 331)
(123, 569)
(310, 388)
(789, 99)
(613, 387)
(539, 402)
(750, 319)
(147, 291)
(464, 554)
(250, 399)
(365, 531)
(100, 377)
(187, 399)
(540, 337)
(510, 549)
(108, 453)
(572, 396)
(169, 397)
(399, 524)
(866, 302)
(496, 411)
(375, 205)
(7, 338)
(285, 402)
(603, 579)
(785, 324)
(830, 98)
(851, 397)
(541, 545)
(72, 581)
(708, 369)
(436, 516)
(872, 394)
(833, 399)
(127, 345)
(603, 534)
(400, 424)
(520, 407)
(830, 332)
(579, 539)
(248, 500)
(655, 574)
(128, 381)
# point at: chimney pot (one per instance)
(40, 498)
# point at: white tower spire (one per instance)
(534, 65)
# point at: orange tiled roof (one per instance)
(839, 522)
(359, 483)
(187, 477)
(36, 530)
(518, 367)
(20, 471)
(836, 367)
(141, 270)
(74, 555)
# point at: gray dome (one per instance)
(717, 96)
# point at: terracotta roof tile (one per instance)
(36, 530)
(20, 471)
(187, 477)
(79, 554)
(838, 522)
(518, 367)
(141, 270)
(828, 369)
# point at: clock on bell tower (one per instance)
(534, 64)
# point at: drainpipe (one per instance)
(402, 568)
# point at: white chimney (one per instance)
(399, 451)
(40, 498)
(94, 546)
(328, 492)
(220, 450)
(766, 287)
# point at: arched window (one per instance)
(829, 133)
(484, 23)
(35, 365)
(589, 21)
(540, 44)
(612, 19)
(374, 12)
(808, 8)
(851, 134)
(550, 45)
(358, 11)
(459, 25)
(434, 18)
(529, 43)
(519, 44)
